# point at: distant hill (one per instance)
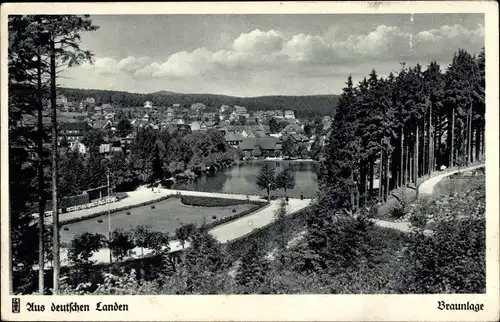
(304, 106)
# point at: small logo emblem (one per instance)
(16, 305)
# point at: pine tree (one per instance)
(285, 180)
(266, 179)
(339, 171)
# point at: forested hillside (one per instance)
(304, 106)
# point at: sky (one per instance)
(256, 55)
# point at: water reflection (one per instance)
(241, 179)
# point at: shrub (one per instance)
(214, 202)
(185, 232)
(400, 209)
(83, 246)
(121, 244)
(452, 258)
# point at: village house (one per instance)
(106, 108)
(90, 100)
(109, 116)
(195, 126)
(97, 109)
(73, 131)
(183, 128)
(258, 115)
(292, 129)
(234, 138)
(257, 134)
(61, 101)
(102, 125)
(106, 149)
(296, 137)
(224, 108)
(208, 116)
(170, 112)
(78, 147)
(278, 114)
(176, 106)
(289, 114)
(207, 125)
(261, 147)
(327, 123)
(222, 128)
(148, 105)
(198, 107)
(240, 111)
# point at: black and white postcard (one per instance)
(294, 161)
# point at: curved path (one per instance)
(426, 188)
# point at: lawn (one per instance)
(166, 217)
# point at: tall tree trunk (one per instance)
(387, 179)
(478, 139)
(351, 192)
(372, 177)
(408, 165)
(470, 158)
(452, 138)
(362, 182)
(466, 140)
(411, 170)
(402, 169)
(55, 213)
(416, 171)
(394, 180)
(483, 136)
(423, 160)
(41, 188)
(380, 174)
(431, 144)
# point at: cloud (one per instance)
(272, 50)
(258, 41)
(383, 42)
(307, 48)
(108, 65)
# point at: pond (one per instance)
(241, 179)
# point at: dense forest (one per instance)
(405, 126)
(304, 106)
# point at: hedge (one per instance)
(256, 206)
(216, 202)
(101, 213)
